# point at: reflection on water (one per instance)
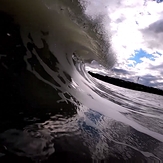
(53, 111)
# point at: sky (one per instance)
(136, 31)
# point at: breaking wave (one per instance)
(51, 108)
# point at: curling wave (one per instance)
(51, 108)
(68, 28)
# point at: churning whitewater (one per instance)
(51, 109)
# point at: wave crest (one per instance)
(69, 28)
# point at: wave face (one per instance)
(67, 28)
(51, 108)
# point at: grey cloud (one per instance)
(150, 80)
(161, 73)
(158, 67)
(153, 35)
(121, 71)
(156, 27)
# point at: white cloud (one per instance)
(138, 25)
(132, 31)
(133, 25)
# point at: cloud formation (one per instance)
(136, 31)
(137, 38)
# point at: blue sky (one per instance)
(139, 54)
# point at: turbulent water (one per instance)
(51, 109)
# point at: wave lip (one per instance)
(68, 27)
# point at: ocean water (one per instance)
(51, 109)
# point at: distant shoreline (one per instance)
(127, 84)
